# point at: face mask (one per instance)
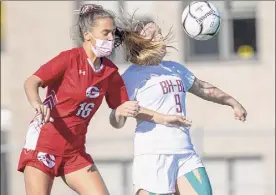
(103, 48)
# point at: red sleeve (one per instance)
(53, 69)
(116, 93)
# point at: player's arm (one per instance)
(116, 120)
(31, 87)
(201, 88)
(152, 116)
(46, 74)
(117, 99)
(211, 93)
(131, 109)
(118, 116)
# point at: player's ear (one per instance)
(87, 36)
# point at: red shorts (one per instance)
(53, 166)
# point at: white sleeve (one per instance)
(130, 85)
(187, 76)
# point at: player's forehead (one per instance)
(105, 24)
(150, 29)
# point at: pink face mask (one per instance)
(103, 48)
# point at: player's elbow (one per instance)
(27, 83)
(116, 126)
(116, 123)
(32, 81)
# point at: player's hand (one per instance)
(42, 112)
(240, 112)
(175, 120)
(128, 109)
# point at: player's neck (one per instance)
(92, 57)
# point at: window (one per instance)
(208, 48)
(244, 34)
(236, 39)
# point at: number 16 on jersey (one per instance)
(85, 109)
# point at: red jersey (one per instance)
(75, 92)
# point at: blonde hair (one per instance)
(139, 49)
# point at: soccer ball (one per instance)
(201, 20)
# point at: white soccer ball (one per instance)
(201, 20)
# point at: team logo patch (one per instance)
(47, 159)
(92, 92)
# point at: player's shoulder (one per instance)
(72, 57)
(172, 64)
(130, 69)
(175, 66)
(130, 72)
(79, 54)
(70, 52)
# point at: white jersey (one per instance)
(161, 88)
